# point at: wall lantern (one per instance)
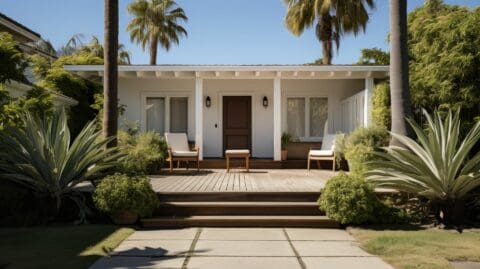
(265, 102)
(208, 101)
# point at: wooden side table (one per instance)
(238, 153)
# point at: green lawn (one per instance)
(422, 249)
(58, 246)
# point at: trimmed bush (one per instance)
(145, 152)
(360, 146)
(120, 193)
(381, 113)
(348, 199)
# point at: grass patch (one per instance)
(58, 246)
(420, 249)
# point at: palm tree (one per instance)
(333, 19)
(399, 89)
(156, 22)
(96, 49)
(110, 78)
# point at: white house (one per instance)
(245, 106)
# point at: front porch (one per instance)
(258, 180)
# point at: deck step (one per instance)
(238, 196)
(237, 208)
(241, 221)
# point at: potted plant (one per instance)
(286, 139)
(125, 198)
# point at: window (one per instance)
(306, 116)
(178, 114)
(318, 116)
(156, 114)
(296, 117)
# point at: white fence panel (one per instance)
(352, 109)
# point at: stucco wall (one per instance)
(133, 91)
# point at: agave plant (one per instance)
(42, 158)
(436, 166)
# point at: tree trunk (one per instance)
(153, 51)
(110, 78)
(399, 88)
(324, 34)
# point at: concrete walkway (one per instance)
(245, 248)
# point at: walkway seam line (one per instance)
(299, 258)
(192, 248)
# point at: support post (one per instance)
(368, 103)
(199, 115)
(277, 119)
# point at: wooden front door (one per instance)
(237, 122)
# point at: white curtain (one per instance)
(318, 116)
(156, 114)
(296, 117)
(178, 114)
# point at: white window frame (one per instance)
(306, 97)
(167, 95)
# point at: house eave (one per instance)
(237, 71)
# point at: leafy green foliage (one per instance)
(40, 66)
(374, 56)
(119, 193)
(360, 147)
(37, 101)
(348, 199)
(436, 167)
(145, 152)
(340, 140)
(444, 57)
(80, 89)
(381, 113)
(43, 159)
(13, 61)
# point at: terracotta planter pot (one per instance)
(284, 155)
(125, 218)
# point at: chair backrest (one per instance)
(328, 142)
(177, 141)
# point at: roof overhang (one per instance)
(237, 71)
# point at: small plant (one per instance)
(361, 144)
(286, 139)
(145, 152)
(348, 199)
(120, 195)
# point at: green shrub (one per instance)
(339, 148)
(360, 146)
(145, 152)
(348, 199)
(381, 114)
(119, 193)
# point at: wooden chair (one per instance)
(179, 150)
(326, 152)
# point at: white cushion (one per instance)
(328, 142)
(181, 153)
(237, 151)
(177, 141)
(321, 153)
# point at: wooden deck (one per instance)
(258, 180)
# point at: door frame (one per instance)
(251, 94)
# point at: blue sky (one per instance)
(220, 31)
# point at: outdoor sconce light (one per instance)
(265, 102)
(208, 101)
